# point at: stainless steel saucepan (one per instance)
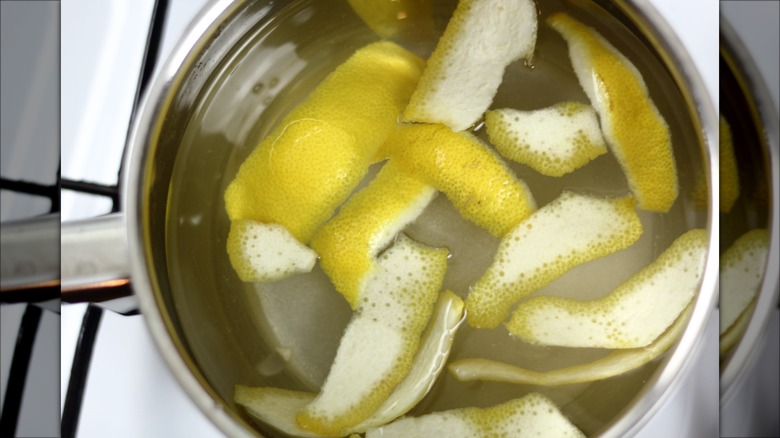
(238, 69)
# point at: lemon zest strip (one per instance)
(631, 316)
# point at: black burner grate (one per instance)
(20, 362)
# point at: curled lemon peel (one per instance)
(631, 316)
(741, 271)
(567, 232)
(308, 166)
(349, 243)
(266, 252)
(278, 407)
(428, 363)
(477, 181)
(615, 363)
(379, 343)
(464, 71)
(633, 127)
(529, 416)
(554, 141)
(729, 176)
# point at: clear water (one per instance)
(286, 333)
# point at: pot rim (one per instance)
(746, 351)
(150, 111)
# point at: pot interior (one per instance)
(263, 58)
(752, 118)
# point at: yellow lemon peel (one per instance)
(379, 343)
(477, 181)
(731, 336)
(266, 252)
(631, 316)
(278, 407)
(631, 124)
(428, 363)
(567, 232)
(615, 363)
(741, 271)
(530, 416)
(467, 66)
(308, 166)
(554, 141)
(349, 243)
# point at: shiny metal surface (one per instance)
(759, 105)
(28, 252)
(144, 214)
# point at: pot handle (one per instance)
(87, 260)
(30, 260)
(95, 264)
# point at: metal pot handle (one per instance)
(30, 259)
(95, 264)
(87, 259)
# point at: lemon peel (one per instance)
(308, 166)
(729, 176)
(464, 72)
(631, 316)
(349, 243)
(428, 363)
(278, 407)
(567, 232)
(266, 252)
(379, 343)
(530, 416)
(477, 181)
(631, 124)
(554, 141)
(741, 270)
(733, 334)
(615, 363)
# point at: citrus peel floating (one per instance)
(300, 173)
(428, 363)
(741, 270)
(278, 407)
(631, 316)
(464, 71)
(530, 416)
(474, 178)
(349, 243)
(554, 141)
(615, 363)
(381, 339)
(631, 124)
(266, 252)
(733, 334)
(567, 232)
